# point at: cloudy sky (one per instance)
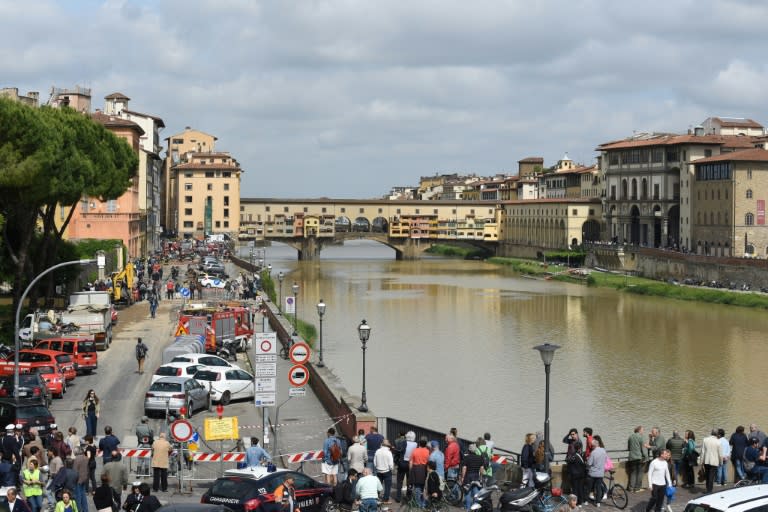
(347, 98)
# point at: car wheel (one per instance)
(63, 388)
(190, 410)
(225, 398)
(208, 285)
(208, 403)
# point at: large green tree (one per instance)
(51, 158)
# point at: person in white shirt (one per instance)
(658, 479)
(722, 469)
(368, 489)
(384, 464)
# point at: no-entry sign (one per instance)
(181, 431)
(298, 375)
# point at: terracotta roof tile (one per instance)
(671, 140)
(117, 96)
(115, 122)
(202, 167)
(531, 160)
(736, 122)
(746, 155)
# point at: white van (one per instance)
(752, 498)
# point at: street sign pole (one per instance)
(277, 425)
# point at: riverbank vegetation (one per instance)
(636, 285)
(452, 251)
(305, 330)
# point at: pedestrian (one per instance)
(676, 445)
(91, 410)
(91, 453)
(169, 288)
(527, 459)
(73, 441)
(80, 465)
(432, 487)
(141, 354)
(32, 486)
(373, 442)
(722, 469)
(711, 457)
(255, 455)
(54, 466)
(118, 476)
(330, 465)
(417, 476)
(439, 457)
(108, 445)
(738, 442)
(596, 470)
(452, 457)
(161, 449)
(285, 495)
(635, 459)
(104, 497)
(403, 468)
(471, 468)
(658, 479)
(133, 500)
(357, 455)
(153, 302)
(368, 489)
(690, 459)
(384, 464)
(148, 502)
(13, 503)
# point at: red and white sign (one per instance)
(182, 431)
(298, 375)
(265, 343)
(299, 353)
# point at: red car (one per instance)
(51, 374)
(50, 358)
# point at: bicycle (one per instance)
(453, 492)
(548, 502)
(616, 492)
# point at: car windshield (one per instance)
(207, 375)
(33, 357)
(235, 487)
(167, 371)
(181, 359)
(63, 359)
(45, 369)
(32, 411)
(170, 387)
(27, 380)
(87, 346)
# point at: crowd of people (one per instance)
(55, 472)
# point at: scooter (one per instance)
(483, 500)
(227, 350)
(524, 498)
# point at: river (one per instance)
(452, 345)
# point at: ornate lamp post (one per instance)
(547, 352)
(295, 288)
(364, 331)
(280, 277)
(100, 261)
(320, 313)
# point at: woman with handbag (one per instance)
(690, 459)
(105, 498)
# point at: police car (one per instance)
(252, 489)
(753, 498)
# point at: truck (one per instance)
(122, 285)
(219, 325)
(87, 313)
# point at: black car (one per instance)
(29, 413)
(252, 489)
(31, 387)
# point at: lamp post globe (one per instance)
(321, 313)
(364, 332)
(280, 277)
(295, 288)
(547, 353)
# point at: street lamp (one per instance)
(280, 277)
(269, 270)
(364, 331)
(100, 260)
(295, 288)
(547, 353)
(320, 313)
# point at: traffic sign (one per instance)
(265, 370)
(264, 399)
(302, 391)
(184, 292)
(265, 343)
(299, 353)
(298, 375)
(266, 384)
(290, 305)
(181, 431)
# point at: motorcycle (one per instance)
(483, 500)
(525, 498)
(227, 350)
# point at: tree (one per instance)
(51, 158)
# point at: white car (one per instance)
(207, 281)
(204, 360)
(178, 369)
(226, 384)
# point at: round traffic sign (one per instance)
(266, 346)
(182, 431)
(184, 292)
(299, 353)
(298, 375)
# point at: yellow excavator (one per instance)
(122, 285)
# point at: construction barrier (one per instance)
(218, 457)
(297, 458)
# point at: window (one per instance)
(749, 193)
(749, 174)
(209, 174)
(177, 141)
(188, 224)
(187, 199)
(209, 186)
(749, 219)
(707, 153)
(362, 210)
(613, 192)
(226, 200)
(656, 191)
(226, 186)
(323, 210)
(218, 224)
(187, 211)
(226, 213)
(227, 174)
(657, 155)
(306, 209)
(226, 223)
(187, 186)
(267, 208)
(285, 209)
(418, 211)
(344, 210)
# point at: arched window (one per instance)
(749, 219)
(749, 193)
(634, 188)
(624, 189)
(645, 189)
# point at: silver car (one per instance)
(173, 393)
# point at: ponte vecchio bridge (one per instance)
(411, 227)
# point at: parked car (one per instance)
(172, 393)
(28, 413)
(50, 373)
(252, 489)
(81, 348)
(32, 387)
(203, 359)
(50, 357)
(215, 270)
(226, 383)
(184, 369)
(210, 281)
(752, 498)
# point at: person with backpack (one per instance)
(486, 454)
(153, 301)
(331, 457)
(141, 354)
